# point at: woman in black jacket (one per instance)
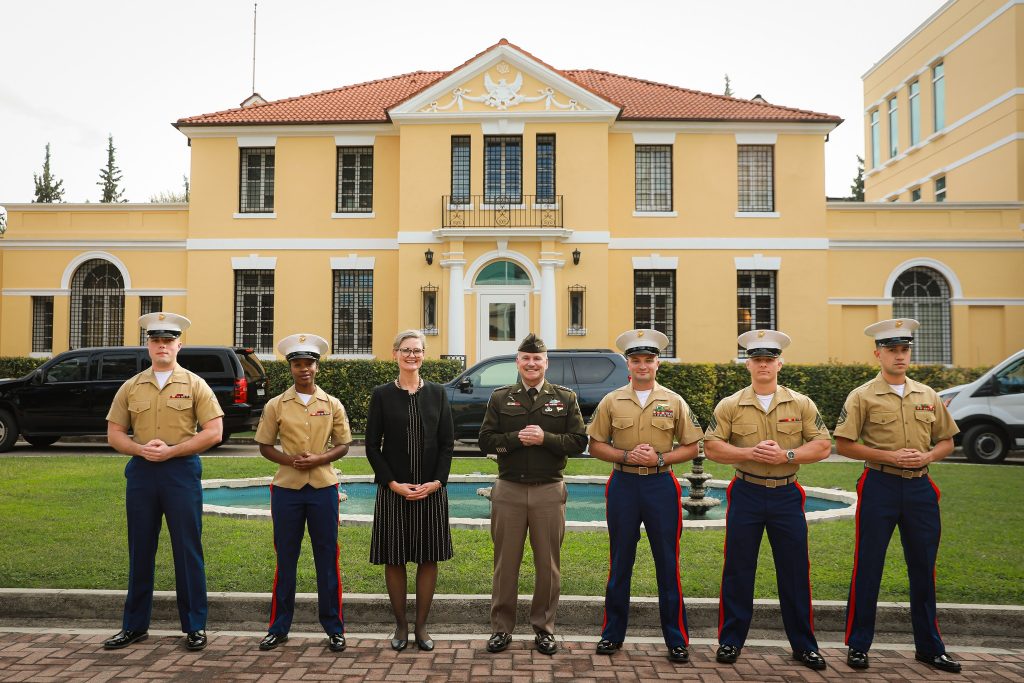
(409, 443)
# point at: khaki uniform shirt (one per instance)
(877, 415)
(315, 427)
(791, 421)
(665, 420)
(169, 414)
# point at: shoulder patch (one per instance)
(842, 417)
(818, 422)
(693, 420)
(713, 423)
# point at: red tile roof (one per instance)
(638, 99)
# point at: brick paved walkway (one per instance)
(76, 655)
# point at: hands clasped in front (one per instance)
(156, 451)
(308, 461)
(910, 458)
(769, 452)
(642, 455)
(415, 491)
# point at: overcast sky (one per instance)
(72, 72)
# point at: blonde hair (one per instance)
(409, 334)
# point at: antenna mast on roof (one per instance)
(254, 47)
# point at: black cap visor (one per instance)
(164, 334)
(298, 355)
(895, 341)
(649, 350)
(764, 353)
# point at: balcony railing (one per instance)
(482, 211)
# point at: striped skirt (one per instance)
(410, 531)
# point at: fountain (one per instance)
(697, 505)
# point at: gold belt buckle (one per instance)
(642, 470)
(908, 474)
(770, 483)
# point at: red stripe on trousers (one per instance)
(608, 580)
(337, 563)
(856, 551)
(273, 595)
(679, 578)
(938, 497)
(725, 545)
(810, 600)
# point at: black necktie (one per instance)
(532, 391)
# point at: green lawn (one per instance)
(62, 525)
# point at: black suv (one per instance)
(70, 394)
(591, 373)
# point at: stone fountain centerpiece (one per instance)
(696, 504)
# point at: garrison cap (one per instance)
(764, 343)
(303, 346)
(532, 344)
(163, 325)
(642, 341)
(895, 332)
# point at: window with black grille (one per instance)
(503, 169)
(923, 294)
(355, 180)
(42, 324)
(149, 304)
(256, 180)
(428, 323)
(940, 189)
(353, 311)
(460, 169)
(97, 305)
(577, 323)
(755, 302)
(756, 167)
(654, 304)
(254, 310)
(654, 177)
(545, 169)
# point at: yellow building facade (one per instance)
(506, 196)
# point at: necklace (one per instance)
(420, 386)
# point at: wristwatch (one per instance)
(661, 459)
(790, 456)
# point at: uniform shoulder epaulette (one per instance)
(507, 386)
(559, 386)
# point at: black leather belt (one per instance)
(767, 482)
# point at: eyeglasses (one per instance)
(411, 352)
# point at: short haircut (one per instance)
(408, 334)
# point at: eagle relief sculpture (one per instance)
(502, 95)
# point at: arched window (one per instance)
(97, 305)
(502, 273)
(923, 294)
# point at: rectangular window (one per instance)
(876, 140)
(654, 177)
(756, 178)
(149, 304)
(915, 194)
(894, 133)
(355, 180)
(428, 323)
(460, 169)
(654, 304)
(353, 311)
(254, 310)
(42, 324)
(545, 169)
(915, 113)
(577, 322)
(503, 169)
(940, 189)
(256, 180)
(939, 95)
(755, 302)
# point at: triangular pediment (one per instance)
(507, 82)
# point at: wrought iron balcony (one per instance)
(482, 211)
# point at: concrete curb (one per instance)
(366, 612)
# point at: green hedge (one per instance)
(12, 367)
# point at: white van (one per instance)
(990, 411)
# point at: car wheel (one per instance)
(985, 443)
(8, 431)
(42, 441)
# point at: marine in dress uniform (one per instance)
(903, 426)
(643, 429)
(766, 431)
(161, 406)
(314, 432)
(533, 426)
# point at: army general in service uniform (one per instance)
(533, 426)
(161, 406)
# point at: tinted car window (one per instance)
(202, 363)
(1011, 379)
(495, 374)
(75, 369)
(592, 370)
(251, 365)
(118, 366)
(556, 370)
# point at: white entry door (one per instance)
(502, 322)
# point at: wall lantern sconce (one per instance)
(429, 256)
(576, 257)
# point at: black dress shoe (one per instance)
(399, 644)
(272, 640)
(679, 654)
(727, 654)
(499, 642)
(124, 639)
(195, 640)
(546, 644)
(943, 661)
(858, 659)
(607, 647)
(336, 642)
(427, 645)
(810, 659)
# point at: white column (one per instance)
(549, 301)
(456, 307)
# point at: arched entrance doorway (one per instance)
(97, 305)
(503, 307)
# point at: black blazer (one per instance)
(387, 428)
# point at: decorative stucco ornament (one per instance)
(503, 95)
